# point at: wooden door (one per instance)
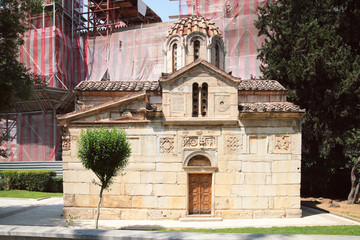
(200, 193)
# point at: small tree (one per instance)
(106, 153)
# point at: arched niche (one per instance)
(199, 162)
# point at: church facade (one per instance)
(205, 144)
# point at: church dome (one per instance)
(185, 26)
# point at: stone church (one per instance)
(204, 144)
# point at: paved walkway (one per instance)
(17, 213)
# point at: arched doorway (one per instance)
(200, 186)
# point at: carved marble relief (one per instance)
(222, 103)
(166, 145)
(198, 142)
(66, 144)
(233, 143)
(282, 144)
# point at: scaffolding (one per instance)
(66, 15)
(104, 16)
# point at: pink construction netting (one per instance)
(129, 54)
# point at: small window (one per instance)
(217, 55)
(204, 99)
(196, 50)
(174, 58)
(195, 98)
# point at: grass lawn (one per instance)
(28, 194)
(317, 230)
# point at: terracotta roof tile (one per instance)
(269, 107)
(265, 85)
(188, 25)
(127, 86)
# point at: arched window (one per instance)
(196, 50)
(174, 57)
(195, 98)
(204, 99)
(217, 55)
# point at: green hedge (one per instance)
(32, 180)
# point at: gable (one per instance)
(184, 94)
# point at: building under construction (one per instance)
(96, 40)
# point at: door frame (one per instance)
(212, 193)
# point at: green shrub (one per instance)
(32, 180)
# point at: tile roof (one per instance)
(265, 85)
(269, 107)
(125, 86)
(185, 26)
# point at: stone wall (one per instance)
(256, 172)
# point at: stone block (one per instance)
(244, 190)
(136, 166)
(255, 202)
(287, 202)
(224, 178)
(170, 190)
(69, 200)
(145, 202)
(286, 178)
(293, 213)
(134, 214)
(75, 166)
(87, 200)
(237, 214)
(159, 177)
(150, 146)
(222, 203)
(111, 201)
(138, 189)
(76, 188)
(256, 167)
(182, 178)
(172, 202)
(166, 167)
(239, 178)
(78, 213)
(129, 177)
(109, 213)
(255, 178)
(234, 166)
(286, 166)
(222, 190)
(269, 214)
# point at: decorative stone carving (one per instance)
(282, 144)
(199, 142)
(233, 143)
(66, 144)
(74, 138)
(199, 132)
(166, 145)
(222, 103)
(126, 114)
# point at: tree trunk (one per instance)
(355, 185)
(98, 208)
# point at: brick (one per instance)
(111, 201)
(76, 188)
(86, 200)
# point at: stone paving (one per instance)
(16, 215)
